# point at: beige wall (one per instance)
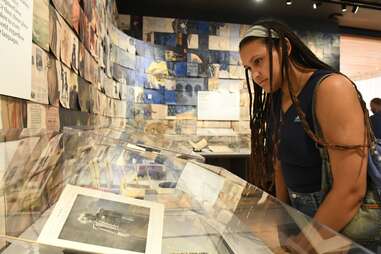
(360, 56)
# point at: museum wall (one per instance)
(87, 72)
(207, 55)
(360, 64)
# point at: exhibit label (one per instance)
(16, 47)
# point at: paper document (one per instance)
(218, 105)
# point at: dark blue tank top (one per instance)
(299, 157)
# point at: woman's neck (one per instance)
(298, 78)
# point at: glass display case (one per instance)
(133, 196)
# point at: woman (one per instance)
(291, 86)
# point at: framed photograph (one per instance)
(94, 221)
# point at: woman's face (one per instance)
(255, 57)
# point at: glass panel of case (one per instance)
(207, 209)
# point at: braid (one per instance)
(259, 163)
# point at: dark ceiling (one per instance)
(247, 11)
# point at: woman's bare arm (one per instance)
(342, 122)
(281, 191)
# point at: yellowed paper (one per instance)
(169, 83)
(213, 84)
(189, 115)
(236, 72)
(52, 119)
(2, 219)
(218, 43)
(40, 61)
(154, 24)
(1, 114)
(159, 111)
(213, 124)
(241, 127)
(66, 44)
(193, 41)
(36, 116)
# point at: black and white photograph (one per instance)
(91, 220)
(40, 60)
(75, 53)
(116, 225)
(187, 90)
(73, 91)
(63, 74)
(152, 171)
(84, 94)
(53, 93)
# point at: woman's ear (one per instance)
(289, 47)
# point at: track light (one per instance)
(343, 8)
(316, 4)
(355, 9)
(288, 2)
(346, 4)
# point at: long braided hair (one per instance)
(264, 119)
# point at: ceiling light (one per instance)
(288, 2)
(343, 8)
(355, 8)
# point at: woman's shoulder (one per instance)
(337, 99)
(336, 86)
